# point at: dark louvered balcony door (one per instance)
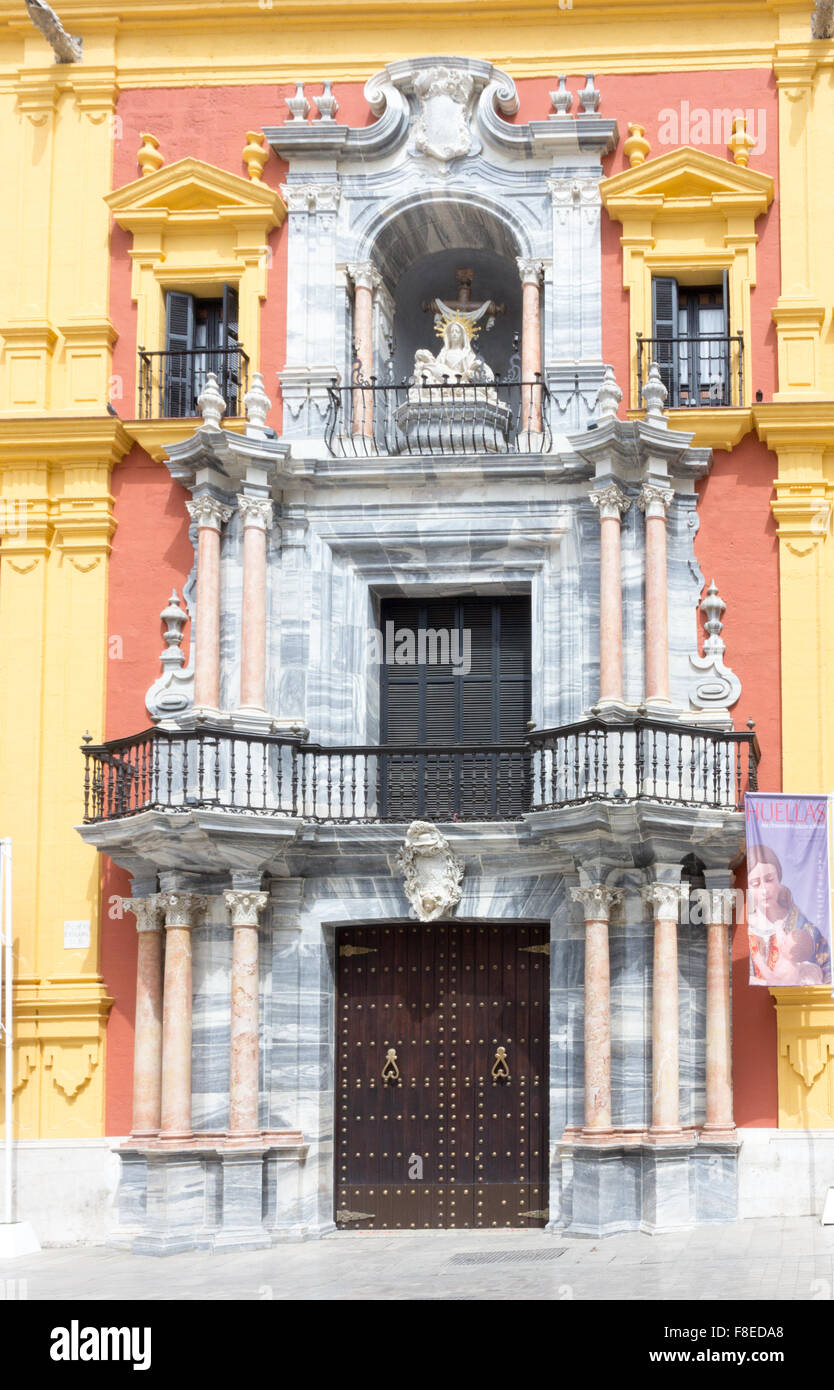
(456, 677)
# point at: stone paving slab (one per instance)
(778, 1259)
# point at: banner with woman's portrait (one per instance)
(788, 889)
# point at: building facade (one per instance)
(449, 399)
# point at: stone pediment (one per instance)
(687, 176)
(191, 191)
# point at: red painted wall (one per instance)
(151, 552)
(737, 546)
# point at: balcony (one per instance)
(705, 371)
(171, 382)
(268, 775)
(494, 417)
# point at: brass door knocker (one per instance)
(500, 1067)
(391, 1072)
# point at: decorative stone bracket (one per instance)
(715, 687)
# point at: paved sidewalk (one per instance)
(776, 1259)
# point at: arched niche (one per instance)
(418, 253)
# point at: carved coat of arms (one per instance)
(442, 127)
(432, 873)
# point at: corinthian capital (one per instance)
(530, 270)
(654, 501)
(311, 197)
(256, 511)
(598, 901)
(243, 906)
(364, 275)
(207, 511)
(611, 502)
(148, 912)
(665, 899)
(184, 910)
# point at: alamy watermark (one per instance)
(701, 125)
(422, 646)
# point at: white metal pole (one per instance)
(7, 1016)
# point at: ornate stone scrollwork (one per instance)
(432, 873)
(442, 127)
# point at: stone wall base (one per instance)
(609, 1188)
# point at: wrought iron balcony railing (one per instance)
(452, 417)
(703, 371)
(268, 775)
(171, 382)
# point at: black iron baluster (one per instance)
(201, 753)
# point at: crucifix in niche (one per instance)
(464, 309)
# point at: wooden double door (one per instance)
(442, 1075)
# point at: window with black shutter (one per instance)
(691, 341)
(487, 702)
(201, 336)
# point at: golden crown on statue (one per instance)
(470, 327)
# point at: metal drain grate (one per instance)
(505, 1257)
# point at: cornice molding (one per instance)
(799, 427)
(63, 440)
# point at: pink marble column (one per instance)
(182, 913)
(209, 515)
(719, 916)
(257, 516)
(597, 901)
(531, 271)
(366, 280)
(654, 501)
(147, 1032)
(665, 901)
(613, 505)
(243, 907)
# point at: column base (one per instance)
(610, 707)
(668, 1196)
(252, 721)
(660, 707)
(242, 1200)
(633, 1184)
(719, 1134)
(217, 1193)
(673, 1135)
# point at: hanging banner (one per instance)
(788, 889)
